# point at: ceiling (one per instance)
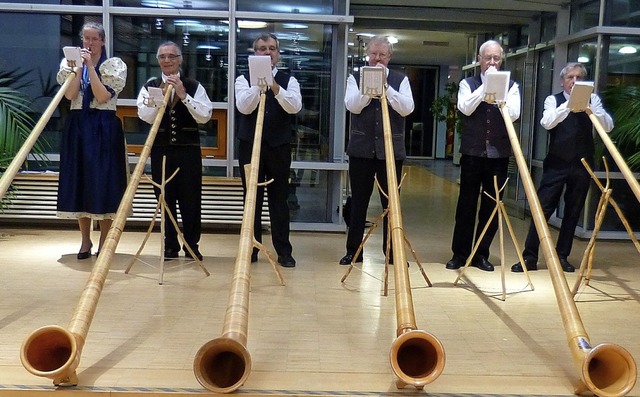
(438, 31)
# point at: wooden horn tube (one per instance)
(619, 160)
(18, 160)
(607, 369)
(54, 352)
(222, 365)
(417, 357)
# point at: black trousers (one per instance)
(476, 177)
(361, 177)
(558, 175)
(183, 191)
(275, 162)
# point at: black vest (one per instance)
(572, 139)
(178, 127)
(366, 138)
(277, 125)
(484, 133)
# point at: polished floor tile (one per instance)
(314, 335)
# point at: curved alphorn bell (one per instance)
(417, 357)
(607, 369)
(53, 351)
(16, 163)
(624, 168)
(223, 364)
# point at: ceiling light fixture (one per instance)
(627, 50)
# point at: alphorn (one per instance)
(53, 351)
(611, 147)
(223, 364)
(16, 163)
(607, 369)
(417, 357)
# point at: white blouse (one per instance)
(113, 73)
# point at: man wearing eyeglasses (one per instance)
(283, 101)
(366, 142)
(485, 150)
(178, 140)
(570, 140)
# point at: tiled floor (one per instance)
(315, 335)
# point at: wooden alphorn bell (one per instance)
(53, 351)
(417, 357)
(223, 364)
(619, 160)
(606, 369)
(16, 163)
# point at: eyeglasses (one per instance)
(494, 58)
(91, 39)
(381, 55)
(170, 57)
(265, 49)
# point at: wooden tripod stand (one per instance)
(502, 215)
(584, 274)
(161, 208)
(373, 227)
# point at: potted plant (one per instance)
(444, 108)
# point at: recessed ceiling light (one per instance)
(295, 26)
(627, 50)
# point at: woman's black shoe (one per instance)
(85, 255)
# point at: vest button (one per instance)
(173, 132)
(173, 126)
(173, 140)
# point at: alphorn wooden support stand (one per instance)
(501, 210)
(372, 228)
(161, 207)
(584, 274)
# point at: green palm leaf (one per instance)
(623, 102)
(16, 121)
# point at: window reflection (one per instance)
(305, 53)
(204, 50)
(288, 6)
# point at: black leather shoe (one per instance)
(482, 263)
(286, 261)
(187, 255)
(170, 254)
(531, 266)
(566, 266)
(455, 263)
(254, 257)
(348, 259)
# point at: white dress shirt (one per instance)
(554, 114)
(401, 101)
(468, 101)
(248, 98)
(199, 106)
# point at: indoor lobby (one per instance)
(316, 335)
